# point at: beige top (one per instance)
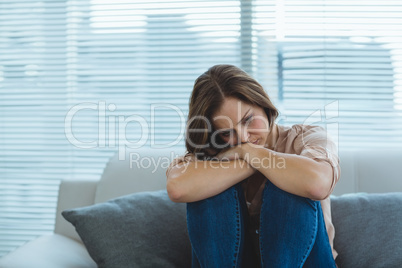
(308, 141)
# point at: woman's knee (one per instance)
(273, 195)
(227, 196)
(228, 202)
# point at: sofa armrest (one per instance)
(73, 194)
(49, 251)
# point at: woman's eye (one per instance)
(225, 134)
(249, 118)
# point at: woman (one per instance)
(257, 193)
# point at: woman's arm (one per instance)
(197, 180)
(292, 173)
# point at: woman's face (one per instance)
(238, 122)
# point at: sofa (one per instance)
(366, 211)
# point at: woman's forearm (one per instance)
(292, 173)
(197, 180)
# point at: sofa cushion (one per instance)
(138, 170)
(368, 229)
(139, 230)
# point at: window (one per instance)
(80, 78)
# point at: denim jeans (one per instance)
(292, 231)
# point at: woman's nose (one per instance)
(244, 136)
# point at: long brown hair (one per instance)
(210, 90)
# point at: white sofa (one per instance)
(371, 171)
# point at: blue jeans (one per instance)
(292, 231)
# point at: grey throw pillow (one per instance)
(143, 229)
(368, 230)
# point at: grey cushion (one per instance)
(139, 230)
(368, 230)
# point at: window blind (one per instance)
(339, 66)
(33, 152)
(74, 75)
(80, 78)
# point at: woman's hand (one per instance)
(232, 153)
